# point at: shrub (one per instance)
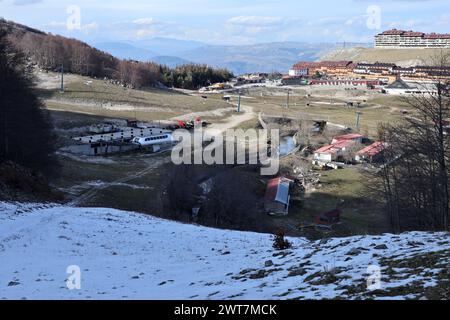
(279, 242)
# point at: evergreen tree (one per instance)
(26, 134)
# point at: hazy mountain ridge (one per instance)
(124, 50)
(170, 61)
(264, 57)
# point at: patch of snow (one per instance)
(125, 255)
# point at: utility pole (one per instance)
(239, 102)
(358, 118)
(62, 77)
(288, 96)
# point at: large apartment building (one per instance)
(410, 39)
(343, 72)
(303, 69)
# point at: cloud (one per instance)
(62, 26)
(255, 21)
(89, 26)
(25, 2)
(146, 21)
(396, 0)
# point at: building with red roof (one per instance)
(356, 137)
(307, 68)
(328, 219)
(339, 148)
(277, 196)
(411, 39)
(372, 153)
(333, 152)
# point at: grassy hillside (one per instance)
(403, 57)
(98, 97)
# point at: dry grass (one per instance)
(106, 99)
(377, 109)
(371, 55)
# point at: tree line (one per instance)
(26, 136)
(52, 52)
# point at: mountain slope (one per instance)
(126, 255)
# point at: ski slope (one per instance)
(124, 255)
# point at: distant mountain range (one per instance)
(160, 50)
(240, 59)
(125, 50)
(266, 57)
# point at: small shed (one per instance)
(328, 219)
(132, 123)
(277, 196)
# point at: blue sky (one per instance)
(229, 21)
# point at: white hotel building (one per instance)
(397, 39)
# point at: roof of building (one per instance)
(413, 34)
(322, 64)
(437, 36)
(278, 190)
(395, 32)
(433, 68)
(350, 136)
(305, 65)
(377, 65)
(335, 64)
(329, 218)
(335, 147)
(373, 149)
(399, 84)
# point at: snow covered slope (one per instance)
(127, 255)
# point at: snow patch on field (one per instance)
(126, 255)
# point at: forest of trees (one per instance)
(192, 76)
(26, 136)
(51, 52)
(414, 180)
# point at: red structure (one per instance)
(329, 218)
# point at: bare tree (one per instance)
(415, 173)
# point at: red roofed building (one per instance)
(306, 68)
(356, 137)
(277, 196)
(333, 152)
(411, 39)
(328, 219)
(303, 69)
(371, 153)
